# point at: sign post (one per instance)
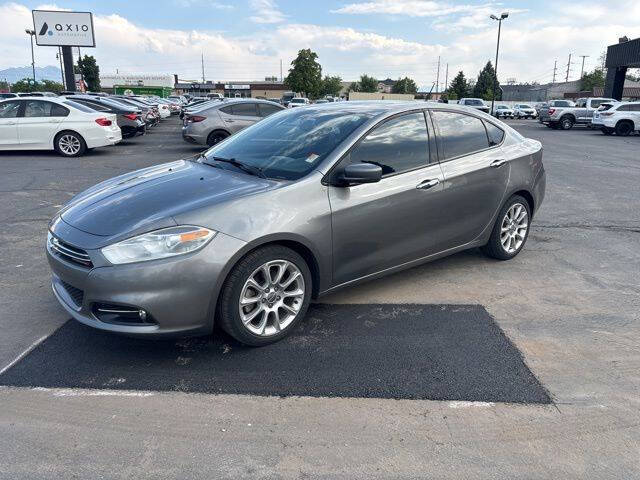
(55, 28)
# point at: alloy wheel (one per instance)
(69, 144)
(271, 297)
(513, 229)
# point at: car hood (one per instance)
(148, 199)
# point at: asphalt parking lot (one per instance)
(529, 368)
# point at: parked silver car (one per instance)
(305, 202)
(219, 120)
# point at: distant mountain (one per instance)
(14, 74)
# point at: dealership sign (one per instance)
(66, 29)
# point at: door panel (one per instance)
(381, 225)
(37, 127)
(9, 124)
(475, 180)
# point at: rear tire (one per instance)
(69, 144)
(624, 128)
(216, 137)
(255, 309)
(511, 230)
(566, 123)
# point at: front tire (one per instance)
(69, 144)
(511, 229)
(266, 294)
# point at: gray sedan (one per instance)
(218, 120)
(305, 202)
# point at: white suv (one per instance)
(619, 118)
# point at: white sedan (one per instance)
(50, 123)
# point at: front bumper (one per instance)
(179, 294)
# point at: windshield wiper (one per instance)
(250, 169)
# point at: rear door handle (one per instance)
(498, 163)
(427, 184)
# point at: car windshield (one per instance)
(297, 100)
(290, 144)
(524, 105)
(79, 106)
(474, 102)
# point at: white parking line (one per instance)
(87, 392)
(23, 354)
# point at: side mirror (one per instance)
(357, 173)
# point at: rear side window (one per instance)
(460, 134)
(9, 109)
(398, 145)
(39, 108)
(266, 109)
(634, 108)
(494, 133)
(243, 109)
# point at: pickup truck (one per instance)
(565, 118)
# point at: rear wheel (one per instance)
(69, 144)
(511, 229)
(266, 294)
(624, 128)
(216, 137)
(566, 123)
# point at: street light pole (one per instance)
(31, 34)
(495, 72)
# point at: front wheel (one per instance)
(266, 294)
(511, 230)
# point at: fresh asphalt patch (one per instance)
(437, 352)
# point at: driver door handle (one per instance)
(498, 163)
(427, 184)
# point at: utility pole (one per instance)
(555, 69)
(438, 76)
(566, 79)
(280, 69)
(81, 74)
(503, 16)
(31, 34)
(61, 69)
(446, 77)
(202, 59)
(582, 69)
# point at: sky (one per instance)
(244, 40)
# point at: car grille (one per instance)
(76, 294)
(70, 253)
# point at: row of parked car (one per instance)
(72, 123)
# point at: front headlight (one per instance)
(164, 243)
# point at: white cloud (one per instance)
(265, 11)
(412, 8)
(530, 44)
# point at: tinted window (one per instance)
(474, 102)
(623, 108)
(494, 133)
(77, 106)
(245, 109)
(266, 109)
(94, 106)
(635, 107)
(596, 103)
(398, 145)
(9, 109)
(460, 134)
(289, 146)
(38, 108)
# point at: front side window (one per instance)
(398, 145)
(9, 109)
(291, 145)
(460, 134)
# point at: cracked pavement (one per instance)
(569, 302)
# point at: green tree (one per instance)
(305, 74)
(405, 85)
(90, 71)
(367, 84)
(354, 87)
(25, 85)
(51, 86)
(4, 86)
(484, 84)
(458, 87)
(331, 86)
(593, 79)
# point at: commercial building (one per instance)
(621, 56)
(234, 89)
(161, 85)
